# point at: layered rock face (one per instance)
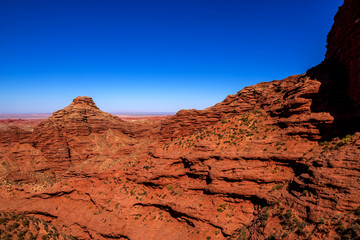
(64, 137)
(277, 160)
(71, 136)
(81, 118)
(287, 101)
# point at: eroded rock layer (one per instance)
(287, 101)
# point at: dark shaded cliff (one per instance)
(344, 45)
(339, 74)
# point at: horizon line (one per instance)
(46, 115)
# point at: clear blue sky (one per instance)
(152, 55)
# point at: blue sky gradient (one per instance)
(152, 55)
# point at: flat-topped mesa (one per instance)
(83, 102)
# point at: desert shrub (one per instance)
(70, 237)
(222, 207)
(21, 235)
(341, 227)
(8, 236)
(3, 220)
(272, 237)
(15, 216)
(263, 218)
(241, 234)
(16, 225)
(46, 227)
(288, 214)
(277, 187)
(32, 237)
(321, 220)
(25, 223)
(219, 209)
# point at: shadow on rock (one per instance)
(334, 97)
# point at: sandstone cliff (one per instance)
(343, 45)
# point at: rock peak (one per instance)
(84, 101)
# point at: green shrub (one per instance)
(3, 220)
(288, 214)
(25, 223)
(277, 187)
(341, 227)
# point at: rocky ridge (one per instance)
(287, 101)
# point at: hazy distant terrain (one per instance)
(47, 115)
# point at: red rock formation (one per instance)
(255, 166)
(339, 74)
(64, 136)
(73, 135)
(344, 46)
(325, 102)
(288, 101)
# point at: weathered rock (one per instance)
(255, 166)
(344, 48)
(287, 101)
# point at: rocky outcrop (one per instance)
(344, 48)
(323, 103)
(339, 74)
(81, 118)
(222, 183)
(71, 136)
(64, 139)
(287, 101)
